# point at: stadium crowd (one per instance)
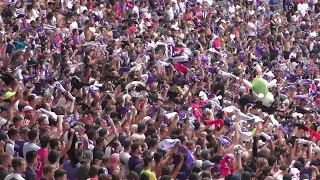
(159, 89)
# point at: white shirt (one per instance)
(171, 13)
(13, 175)
(252, 29)
(29, 147)
(74, 25)
(136, 10)
(182, 7)
(232, 9)
(82, 8)
(124, 158)
(10, 147)
(302, 8)
(251, 12)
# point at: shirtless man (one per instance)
(87, 33)
(287, 45)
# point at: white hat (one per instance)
(27, 108)
(198, 163)
(146, 119)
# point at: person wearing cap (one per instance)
(9, 95)
(85, 159)
(28, 115)
(206, 166)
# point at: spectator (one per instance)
(125, 155)
(31, 158)
(19, 167)
(60, 174)
(134, 159)
(93, 172)
(31, 145)
(6, 162)
(10, 144)
(23, 138)
(53, 158)
(42, 155)
(85, 159)
(48, 172)
(147, 162)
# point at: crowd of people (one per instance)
(159, 89)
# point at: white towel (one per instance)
(168, 143)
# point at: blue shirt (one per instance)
(71, 171)
(133, 161)
(30, 174)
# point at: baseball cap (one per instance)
(86, 156)
(9, 94)
(27, 108)
(206, 164)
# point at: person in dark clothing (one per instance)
(31, 158)
(134, 159)
(5, 164)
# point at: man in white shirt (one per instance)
(302, 8)
(252, 29)
(182, 6)
(125, 155)
(13, 136)
(33, 136)
(19, 166)
(74, 24)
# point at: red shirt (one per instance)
(42, 153)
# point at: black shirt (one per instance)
(97, 154)
(3, 173)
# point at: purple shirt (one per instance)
(18, 147)
(133, 161)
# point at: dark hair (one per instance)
(141, 127)
(44, 141)
(135, 147)
(165, 170)
(133, 175)
(31, 156)
(17, 119)
(74, 157)
(54, 143)
(93, 171)
(157, 156)
(12, 132)
(99, 140)
(53, 156)
(165, 177)
(59, 173)
(144, 176)
(152, 143)
(147, 160)
(127, 143)
(17, 162)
